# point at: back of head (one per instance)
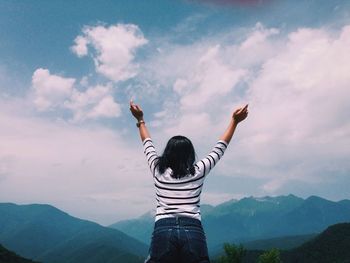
(179, 155)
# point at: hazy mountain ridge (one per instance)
(47, 234)
(254, 218)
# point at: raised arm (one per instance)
(208, 162)
(137, 112)
(237, 116)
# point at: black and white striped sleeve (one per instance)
(207, 163)
(151, 154)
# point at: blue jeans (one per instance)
(176, 240)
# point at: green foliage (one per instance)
(271, 256)
(233, 254)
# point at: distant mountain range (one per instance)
(250, 218)
(44, 233)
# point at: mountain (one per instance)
(252, 218)
(332, 245)
(47, 234)
(249, 219)
(7, 256)
(140, 228)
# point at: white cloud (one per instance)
(306, 84)
(298, 126)
(188, 125)
(258, 37)
(50, 90)
(81, 46)
(93, 103)
(215, 67)
(260, 44)
(209, 79)
(106, 108)
(114, 47)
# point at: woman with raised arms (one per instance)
(178, 234)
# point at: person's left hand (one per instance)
(136, 111)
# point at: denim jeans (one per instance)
(176, 240)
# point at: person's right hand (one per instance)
(240, 114)
(136, 111)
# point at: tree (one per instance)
(271, 256)
(233, 254)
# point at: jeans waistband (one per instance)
(178, 220)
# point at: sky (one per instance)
(69, 68)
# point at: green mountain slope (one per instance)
(44, 233)
(7, 256)
(332, 245)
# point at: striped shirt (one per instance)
(180, 197)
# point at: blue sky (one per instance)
(68, 70)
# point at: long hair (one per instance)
(179, 155)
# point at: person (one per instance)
(178, 235)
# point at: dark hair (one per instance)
(179, 155)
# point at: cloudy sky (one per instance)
(68, 70)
